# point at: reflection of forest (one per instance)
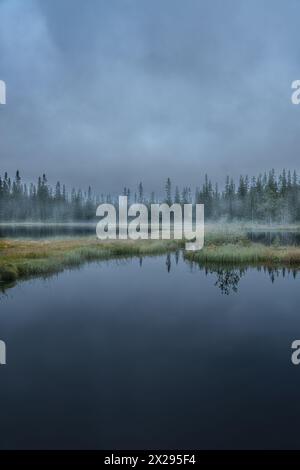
(228, 278)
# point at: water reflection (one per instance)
(94, 352)
(225, 278)
(228, 278)
(168, 262)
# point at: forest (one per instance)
(266, 198)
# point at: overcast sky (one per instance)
(111, 92)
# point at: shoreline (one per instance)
(210, 226)
(23, 259)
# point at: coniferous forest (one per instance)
(267, 198)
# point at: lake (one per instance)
(43, 231)
(38, 231)
(151, 353)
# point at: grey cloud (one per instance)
(110, 93)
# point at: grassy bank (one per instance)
(251, 255)
(22, 259)
(230, 246)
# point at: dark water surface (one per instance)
(38, 231)
(42, 231)
(151, 354)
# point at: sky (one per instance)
(113, 92)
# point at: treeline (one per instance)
(266, 198)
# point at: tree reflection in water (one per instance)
(168, 262)
(228, 277)
(228, 280)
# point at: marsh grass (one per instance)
(22, 259)
(251, 254)
(223, 247)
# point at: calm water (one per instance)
(36, 231)
(46, 231)
(151, 354)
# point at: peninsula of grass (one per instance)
(252, 254)
(230, 246)
(20, 259)
(23, 259)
